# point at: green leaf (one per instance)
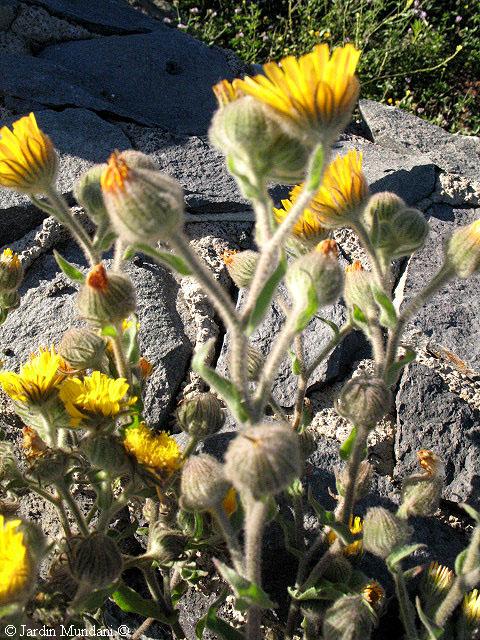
(434, 631)
(347, 445)
(130, 336)
(388, 315)
(176, 263)
(199, 525)
(358, 316)
(325, 591)
(218, 626)
(247, 593)
(104, 243)
(333, 325)
(459, 562)
(316, 168)
(109, 331)
(262, 304)
(224, 387)
(324, 517)
(310, 308)
(288, 530)
(131, 602)
(400, 553)
(296, 366)
(68, 268)
(396, 367)
(473, 513)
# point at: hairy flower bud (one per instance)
(201, 415)
(358, 290)
(203, 484)
(395, 229)
(263, 460)
(97, 561)
(421, 492)
(144, 205)
(463, 250)
(434, 586)
(319, 268)
(241, 266)
(364, 401)
(349, 618)
(165, 545)
(339, 570)
(363, 483)
(383, 531)
(9, 300)
(11, 271)
(255, 362)
(82, 348)
(49, 467)
(107, 453)
(106, 298)
(88, 193)
(244, 131)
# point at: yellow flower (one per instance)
(15, 567)
(471, 607)
(225, 93)
(439, 577)
(430, 462)
(315, 93)
(95, 396)
(28, 161)
(37, 379)
(374, 594)
(158, 452)
(10, 259)
(343, 192)
(307, 226)
(356, 527)
(230, 502)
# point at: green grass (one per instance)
(421, 55)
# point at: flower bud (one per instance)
(263, 460)
(320, 268)
(203, 484)
(82, 349)
(49, 467)
(88, 193)
(364, 480)
(255, 362)
(358, 290)
(97, 561)
(8, 463)
(106, 299)
(241, 266)
(201, 416)
(421, 492)
(434, 586)
(308, 443)
(259, 147)
(374, 594)
(469, 621)
(339, 570)
(107, 453)
(383, 531)
(11, 271)
(165, 545)
(395, 229)
(349, 618)
(144, 205)
(364, 401)
(463, 250)
(9, 300)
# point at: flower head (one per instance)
(28, 161)
(10, 259)
(38, 378)
(230, 504)
(374, 594)
(430, 462)
(438, 577)
(355, 548)
(15, 567)
(11, 271)
(159, 452)
(95, 397)
(471, 607)
(225, 93)
(315, 93)
(307, 227)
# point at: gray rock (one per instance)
(47, 310)
(39, 27)
(316, 337)
(13, 43)
(451, 317)
(410, 175)
(8, 9)
(163, 78)
(403, 132)
(431, 417)
(198, 167)
(103, 16)
(82, 139)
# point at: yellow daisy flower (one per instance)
(95, 397)
(159, 452)
(315, 93)
(37, 379)
(230, 501)
(10, 259)
(15, 567)
(471, 607)
(307, 227)
(225, 93)
(28, 161)
(356, 527)
(374, 594)
(11, 271)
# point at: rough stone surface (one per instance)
(8, 9)
(163, 78)
(451, 317)
(104, 16)
(398, 130)
(12, 43)
(38, 26)
(431, 417)
(47, 310)
(82, 139)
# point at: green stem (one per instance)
(73, 507)
(336, 339)
(123, 368)
(407, 612)
(255, 523)
(230, 538)
(57, 503)
(190, 448)
(298, 515)
(118, 255)
(302, 383)
(372, 254)
(345, 508)
(107, 515)
(263, 208)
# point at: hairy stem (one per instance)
(255, 523)
(302, 383)
(345, 507)
(372, 254)
(230, 538)
(407, 612)
(336, 339)
(73, 507)
(123, 368)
